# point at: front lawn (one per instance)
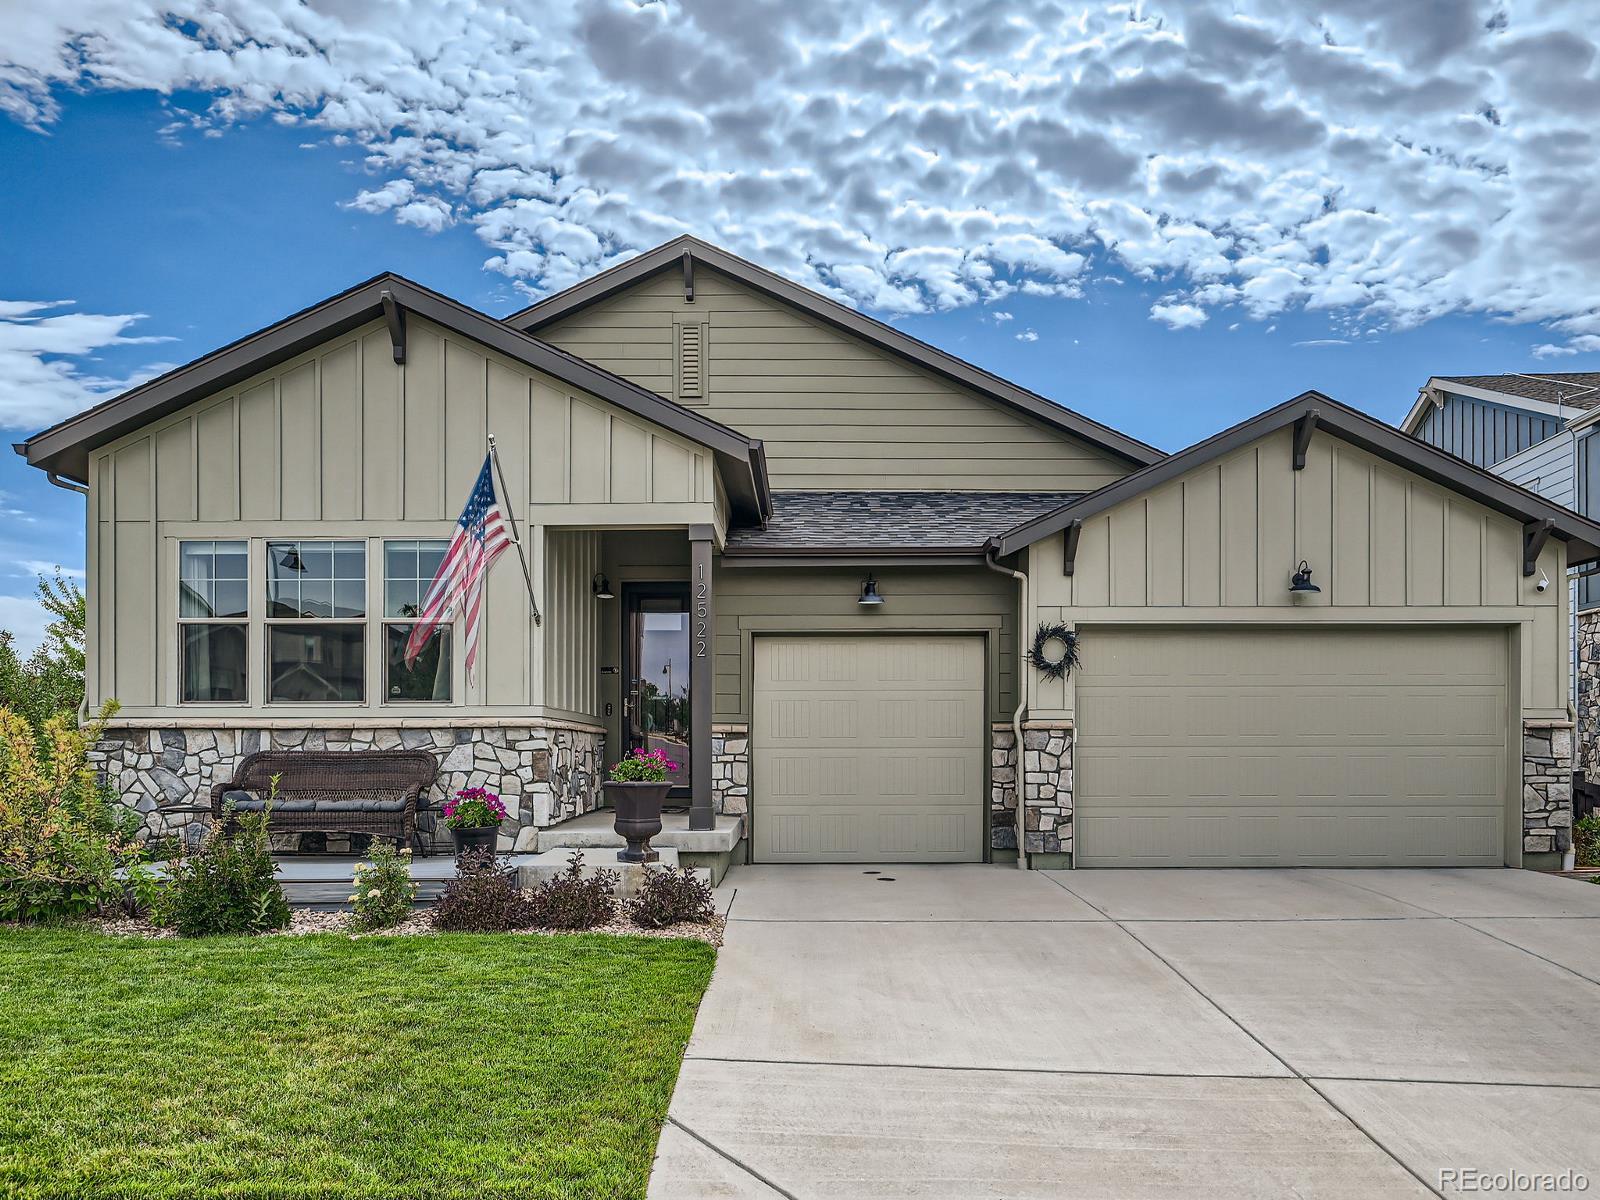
(458, 1065)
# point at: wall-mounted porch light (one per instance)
(869, 593)
(602, 587)
(1300, 585)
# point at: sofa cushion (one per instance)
(369, 805)
(249, 802)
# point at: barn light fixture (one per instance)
(602, 586)
(869, 593)
(1300, 584)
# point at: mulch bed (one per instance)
(419, 924)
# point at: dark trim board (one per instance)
(64, 448)
(1581, 534)
(688, 250)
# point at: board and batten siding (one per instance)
(752, 602)
(834, 411)
(572, 659)
(1385, 546)
(1481, 431)
(343, 443)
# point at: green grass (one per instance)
(461, 1065)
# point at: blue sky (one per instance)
(1100, 205)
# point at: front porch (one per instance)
(324, 880)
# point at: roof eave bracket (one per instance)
(1069, 547)
(395, 318)
(1303, 429)
(688, 277)
(1534, 535)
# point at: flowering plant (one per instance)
(384, 890)
(643, 767)
(473, 808)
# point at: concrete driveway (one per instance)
(981, 1031)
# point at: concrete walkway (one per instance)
(983, 1032)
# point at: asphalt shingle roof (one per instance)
(1575, 389)
(939, 521)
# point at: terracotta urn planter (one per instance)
(638, 817)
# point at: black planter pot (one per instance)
(484, 837)
(638, 808)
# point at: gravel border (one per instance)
(420, 924)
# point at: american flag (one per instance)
(479, 539)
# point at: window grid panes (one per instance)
(213, 629)
(316, 609)
(408, 568)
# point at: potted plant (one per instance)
(473, 816)
(636, 790)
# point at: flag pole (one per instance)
(516, 538)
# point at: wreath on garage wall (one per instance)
(1055, 650)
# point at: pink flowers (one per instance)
(474, 808)
(644, 766)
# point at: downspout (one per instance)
(1022, 691)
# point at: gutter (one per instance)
(1022, 694)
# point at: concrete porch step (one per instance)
(593, 831)
(534, 869)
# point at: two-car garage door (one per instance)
(1263, 747)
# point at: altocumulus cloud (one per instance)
(1388, 162)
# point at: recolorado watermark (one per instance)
(1512, 1183)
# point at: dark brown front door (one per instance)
(655, 705)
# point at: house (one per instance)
(833, 571)
(1534, 430)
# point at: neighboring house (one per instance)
(1537, 431)
(717, 473)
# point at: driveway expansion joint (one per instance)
(723, 1154)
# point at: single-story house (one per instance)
(833, 571)
(1537, 430)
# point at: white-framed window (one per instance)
(316, 622)
(409, 565)
(213, 622)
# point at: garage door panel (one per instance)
(900, 778)
(1329, 747)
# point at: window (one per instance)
(316, 621)
(213, 631)
(408, 568)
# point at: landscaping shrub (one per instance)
(482, 898)
(62, 834)
(1586, 840)
(670, 896)
(384, 889)
(574, 901)
(228, 885)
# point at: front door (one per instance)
(656, 684)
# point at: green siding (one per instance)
(834, 410)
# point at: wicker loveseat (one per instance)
(341, 791)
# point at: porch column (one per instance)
(702, 623)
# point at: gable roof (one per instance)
(850, 522)
(1581, 534)
(1562, 394)
(674, 255)
(64, 449)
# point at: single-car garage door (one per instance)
(868, 749)
(1266, 747)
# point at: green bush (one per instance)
(384, 890)
(62, 834)
(1586, 840)
(228, 885)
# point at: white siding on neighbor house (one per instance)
(1550, 469)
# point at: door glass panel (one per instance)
(658, 716)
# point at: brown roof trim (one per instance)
(671, 255)
(64, 448)
(1581, 534)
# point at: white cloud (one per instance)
(46, 361)
(26, 621)
(1028, 335)
(1549, 350)
(1319, 343)
(1390, 162)
(32, 568)
(1178, 316)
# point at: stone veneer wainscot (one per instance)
(730, 768)
(546, 771)
(1045, 782)
(1587, 733)
(1546, 787)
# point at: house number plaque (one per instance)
(700, 591)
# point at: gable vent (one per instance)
(691, 362)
